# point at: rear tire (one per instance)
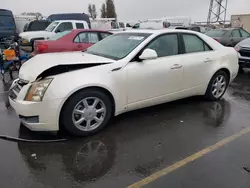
(86, 112)
(217, 86)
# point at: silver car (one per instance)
(243, 48)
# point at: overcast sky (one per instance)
(128, 10)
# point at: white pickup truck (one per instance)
(27, 38)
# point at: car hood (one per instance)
(245, 43)
(34, 67)
(36, 34)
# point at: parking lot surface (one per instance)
(136, 145)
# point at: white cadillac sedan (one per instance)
(81, 91)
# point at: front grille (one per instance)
(14, 91)
(245, 52)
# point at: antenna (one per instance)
(217, 11)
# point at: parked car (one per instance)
(7, 24)
(69, 16)
(28, 38)
(244, 53)
(75, 40)
(36, 25)
(81, 91)
(195, 28)
(108, 24)
(228, 36)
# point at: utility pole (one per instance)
(217, 11)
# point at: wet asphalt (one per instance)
(135, 145)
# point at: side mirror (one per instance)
(57, 31)
(148, 54)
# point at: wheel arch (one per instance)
(100, 88)
(226, 70)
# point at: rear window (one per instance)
(216, 33)
(79, 25)
(59, 35)
(7, 21)
(38, 26)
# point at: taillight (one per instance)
(41, 47)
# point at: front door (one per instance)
(152, 81)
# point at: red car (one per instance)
(74, 40)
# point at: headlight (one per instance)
(237, 48)
(37, 90)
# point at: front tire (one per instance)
(86, 112)
(217, 86)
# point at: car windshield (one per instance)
(59, 35)
(52, 26)
(216, 33)
(7, 21)
(118, 46)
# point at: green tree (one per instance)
(103, 11)
(94, 13)
(110, 8)
(90, 10)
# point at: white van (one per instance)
(107, 24)
(168, 22)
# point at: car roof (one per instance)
(92, 30)
(159, 31)
(226, 29)
(69, 21)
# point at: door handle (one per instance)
(176, 66)
(208, 60)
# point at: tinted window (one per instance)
(38, 25)
(118, 46)
(244, 33)
(87, 38)
(104, 35)
(194, 44)
(215, 33)
(236, 33)
(79, 25)
(64, 27)
(165, 45)
(7, 21)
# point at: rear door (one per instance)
(84, 40)
(198, 59)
